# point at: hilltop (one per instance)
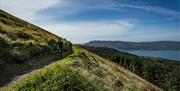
(122, 45)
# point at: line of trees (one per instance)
(161, 72)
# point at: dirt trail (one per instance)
(24, 74)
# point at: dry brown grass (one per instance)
(111, 73)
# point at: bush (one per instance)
(22, 35)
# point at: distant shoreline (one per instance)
(165, 54)
(122, 45)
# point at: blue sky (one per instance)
(83, 20)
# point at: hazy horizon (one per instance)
(81, 21)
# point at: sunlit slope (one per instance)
(82, 71)
(161, 72)
(24, 46)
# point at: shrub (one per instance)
(22, 35)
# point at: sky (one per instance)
(81, 21)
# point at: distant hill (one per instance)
(122, 45)
(161, 72)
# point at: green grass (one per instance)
(54, 78)
(81, 71)
(25, 46)
(58, 76)
(161, 72)
(9, 71)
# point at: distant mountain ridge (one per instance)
(122, 45)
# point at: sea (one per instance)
(167, 54)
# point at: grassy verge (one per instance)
(81, 71)
(55, 77)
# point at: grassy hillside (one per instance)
(81, 71)
(163, 73)
(24, 46)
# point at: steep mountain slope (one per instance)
(161, 72)
(24, 46)
(81, 71)
(121, 45)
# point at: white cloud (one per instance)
(75, 6)
(155, 9)
(29, 9)
(26, 9)
(79, 32)
(84, 31)
(75, 31)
